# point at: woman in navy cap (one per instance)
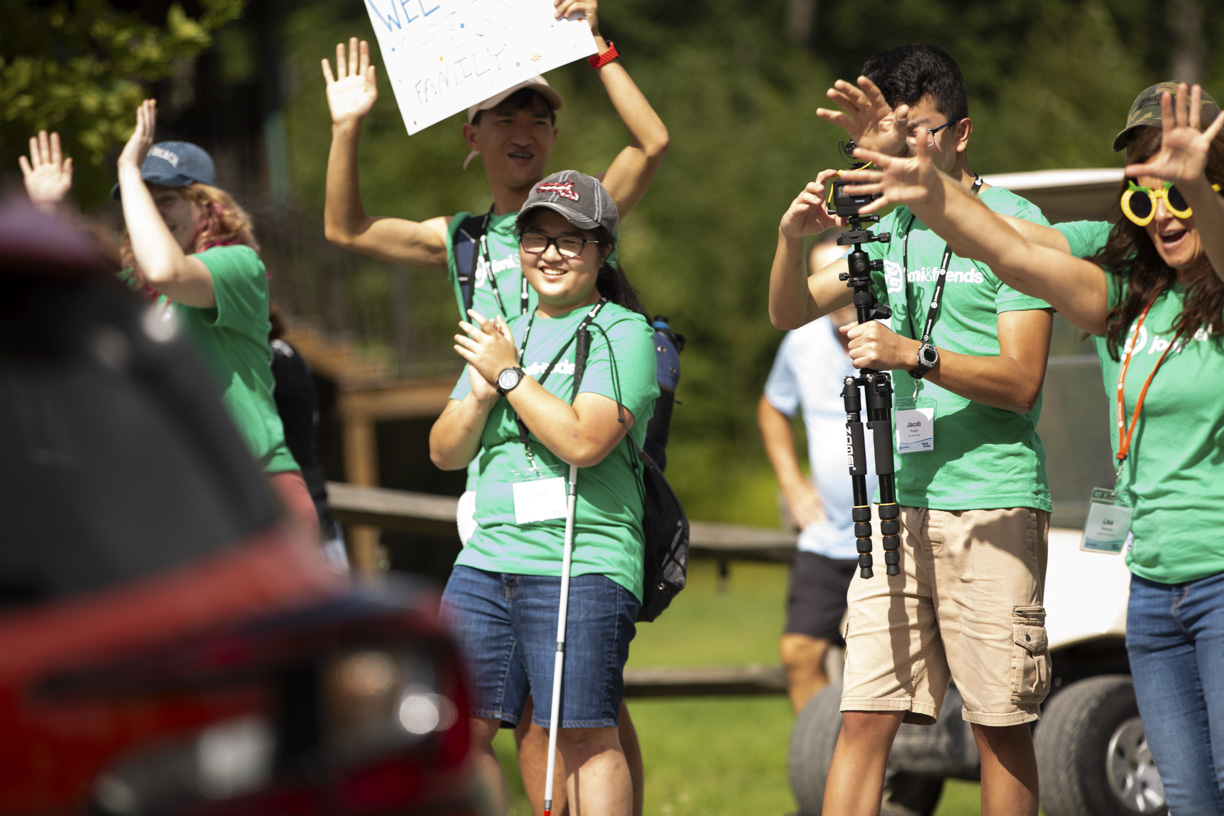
(524, 415)
(190, 248)
(189, 243)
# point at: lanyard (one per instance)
(933, 311)
(1125, 434)
(484, 254)
(586, 321)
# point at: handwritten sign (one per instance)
(444, 56)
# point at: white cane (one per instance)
(559, 660)
(582, 347)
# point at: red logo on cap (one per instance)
(565, 189)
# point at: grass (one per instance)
(718, 756)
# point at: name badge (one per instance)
(539, 495)
(1107, 529)
(915, 426)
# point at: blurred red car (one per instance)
(167, 646)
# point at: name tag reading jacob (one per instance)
(539, 495)
(915, 426)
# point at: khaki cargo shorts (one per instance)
(967, 607)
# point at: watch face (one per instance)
(508, 379)
(928, 355)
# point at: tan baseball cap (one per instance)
(535, 83)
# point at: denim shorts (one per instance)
(506, 626)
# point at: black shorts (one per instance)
(816, 598)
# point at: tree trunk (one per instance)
(1188, 49)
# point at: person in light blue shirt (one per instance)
(806, 379)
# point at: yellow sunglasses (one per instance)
(1141, 209)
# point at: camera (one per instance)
(839, 202)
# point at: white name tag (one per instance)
(539, 497)
(1107, 529)
(916, 427)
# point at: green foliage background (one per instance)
(736, 84)
(81, 68)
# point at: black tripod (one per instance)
(877, 391)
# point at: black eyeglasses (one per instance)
(912, 136)
(570, 246)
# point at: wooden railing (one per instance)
(427, 514)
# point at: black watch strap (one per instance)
(928, 358)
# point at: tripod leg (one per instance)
(879, 413)
(856, 453)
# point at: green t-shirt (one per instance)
(984, 458)
(233, 340)
(1174, 472)
(607, 518)
(1086, 238)
(506, 293)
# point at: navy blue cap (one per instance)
(176, 164)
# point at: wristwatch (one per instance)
(928, 358)
(508, 379)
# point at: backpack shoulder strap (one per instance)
(467, 255)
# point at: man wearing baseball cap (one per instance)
(513, 132)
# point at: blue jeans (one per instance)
(506, 627)
(1175, 640)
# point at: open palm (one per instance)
(867, 117)
(351, 90)
(47, 175)
(1182, 156)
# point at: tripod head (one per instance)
(858, 278)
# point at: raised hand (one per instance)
(1182, 156)
(867, 117)
(141, 140)
(807, 214)
(47, 175)
(352, 90)
(898, 179)
(586, 8)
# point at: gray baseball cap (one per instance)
(1145, 112)
(577, 197)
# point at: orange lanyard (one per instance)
(1125, 434)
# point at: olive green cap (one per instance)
(1145, 112)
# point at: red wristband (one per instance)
(600, 60)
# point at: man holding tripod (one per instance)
(968, 357)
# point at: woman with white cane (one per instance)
(520, 413)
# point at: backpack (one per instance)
(665, 527)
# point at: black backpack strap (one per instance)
(467, 255)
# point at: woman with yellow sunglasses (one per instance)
(1151, 294)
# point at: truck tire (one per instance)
(1092, 758)
(811, 752)
(811, 749)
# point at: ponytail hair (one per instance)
(612, 282)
